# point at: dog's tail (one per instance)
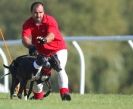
(6, 66)
(2, 76)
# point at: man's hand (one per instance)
(41, 40)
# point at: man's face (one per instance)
(37, 13)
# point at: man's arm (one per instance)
(26, 42)
(50, 37)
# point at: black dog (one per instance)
(22, 69)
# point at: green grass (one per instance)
(87, 101)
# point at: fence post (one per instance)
(130, 42)
(6, 83)
(82, 63)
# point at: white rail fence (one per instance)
(6, 83)
(74, 40)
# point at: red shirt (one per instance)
(48, 25)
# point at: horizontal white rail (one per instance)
(80, 38)
(99, 38)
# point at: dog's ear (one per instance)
(39, 60)
(55, 63)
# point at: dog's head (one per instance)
(41, 60)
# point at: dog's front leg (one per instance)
(25, 91)
(30, 89)
(25, 94)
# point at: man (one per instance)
(41, 31)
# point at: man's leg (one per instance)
(62, 76)
(38, 91)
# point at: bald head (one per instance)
(35, 4)
(37, 10)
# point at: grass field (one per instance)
(87, 101)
